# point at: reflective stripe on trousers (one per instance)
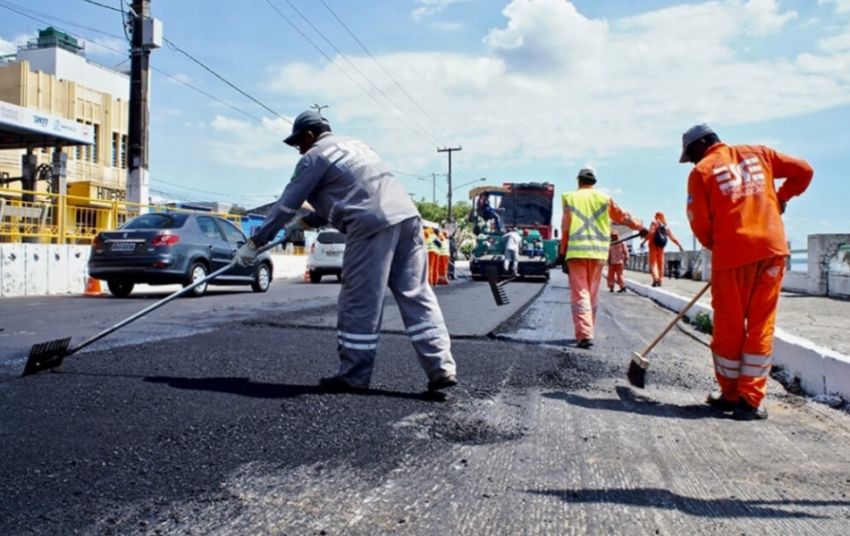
(393, 258)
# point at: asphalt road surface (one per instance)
(222, 430)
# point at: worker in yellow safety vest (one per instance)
(585, 239)
(432, 246)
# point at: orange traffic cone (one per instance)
(93, 287)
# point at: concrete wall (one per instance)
(42, 269)
(49, 269)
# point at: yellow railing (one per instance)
(40, 217)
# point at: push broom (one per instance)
(49, 355)
(639, 363)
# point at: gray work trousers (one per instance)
(394, 258)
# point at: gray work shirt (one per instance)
(512, 241)
(348, 186)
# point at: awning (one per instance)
(22, 127)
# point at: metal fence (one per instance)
(66, 219)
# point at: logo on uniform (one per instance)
(742, 179)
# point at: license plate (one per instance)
(334, 253)
(123, 246)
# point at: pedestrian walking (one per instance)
(735, 211)
(617, 256)
(659, 234)
(585, 239)
(352, 189)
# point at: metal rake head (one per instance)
(46, 355)
(498, 290)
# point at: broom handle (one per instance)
(620, 241)
(167, 299)
(678, 317)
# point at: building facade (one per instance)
(51, 74)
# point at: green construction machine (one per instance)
(525, 207)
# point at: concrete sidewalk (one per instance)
(816, 318)
(810, 342)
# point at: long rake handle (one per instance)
(620, 241)
(675, 320)
(167, 299)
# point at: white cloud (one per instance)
(428, 8)
(841, 6)
(11, 46)
(104, 47)
(555, 84)
(250, 145)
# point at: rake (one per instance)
(497, 288)
(49, 355)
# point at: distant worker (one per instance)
(735, 211)
(443, 259)
(351, 188)
(486, 211)
(585, 235)
(659, 233)
(432, 246)
(618, 254)
(512, 241)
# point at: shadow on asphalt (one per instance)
(716, 508)
(631, 402)
(247, 387)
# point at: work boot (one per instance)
(585, 343)
(745, 412)
(443, 382)
(611, 289)
(338, 384)
(622, 290)
(719, 402)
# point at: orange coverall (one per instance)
(443, 259)
(617, 256)
(735, 211)
(656, 253)
(433, 260)
(586, 273)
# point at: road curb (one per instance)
(821, 371)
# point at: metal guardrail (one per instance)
(66, 219)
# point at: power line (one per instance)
(335, 64)
(386, 72)
(33, 15)
(174, 47)
(106, 47)
(357, 69)
(103, 6)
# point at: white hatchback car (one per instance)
(326, 255)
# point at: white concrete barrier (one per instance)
(289, 266)
(821, 371)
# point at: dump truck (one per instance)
(526, 207)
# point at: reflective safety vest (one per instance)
(431, 244)
(590, 224)
(445, 249)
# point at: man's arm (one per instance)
(673, 238)
(304, 181)
(618, 215)
(699, 211)
(565, 231)
(796, 171)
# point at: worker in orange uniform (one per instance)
(443, 259)
(585, 232)
(617, 256)
(659, 234)
(735, 211)
(431, 249)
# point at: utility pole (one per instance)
(320, 107)
(450, 150)
(434, 188)
(146, 35)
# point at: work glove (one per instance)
(782, 205)
(644, 232)
(559, 260)
(295, 224)
(247, 254)
(565, 268)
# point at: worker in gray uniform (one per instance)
(350, 188)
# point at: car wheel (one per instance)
(197, 272)
(120, 289)
(315, 277)
(262, 278)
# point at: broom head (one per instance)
(46, 355)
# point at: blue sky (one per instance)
(532, 90)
